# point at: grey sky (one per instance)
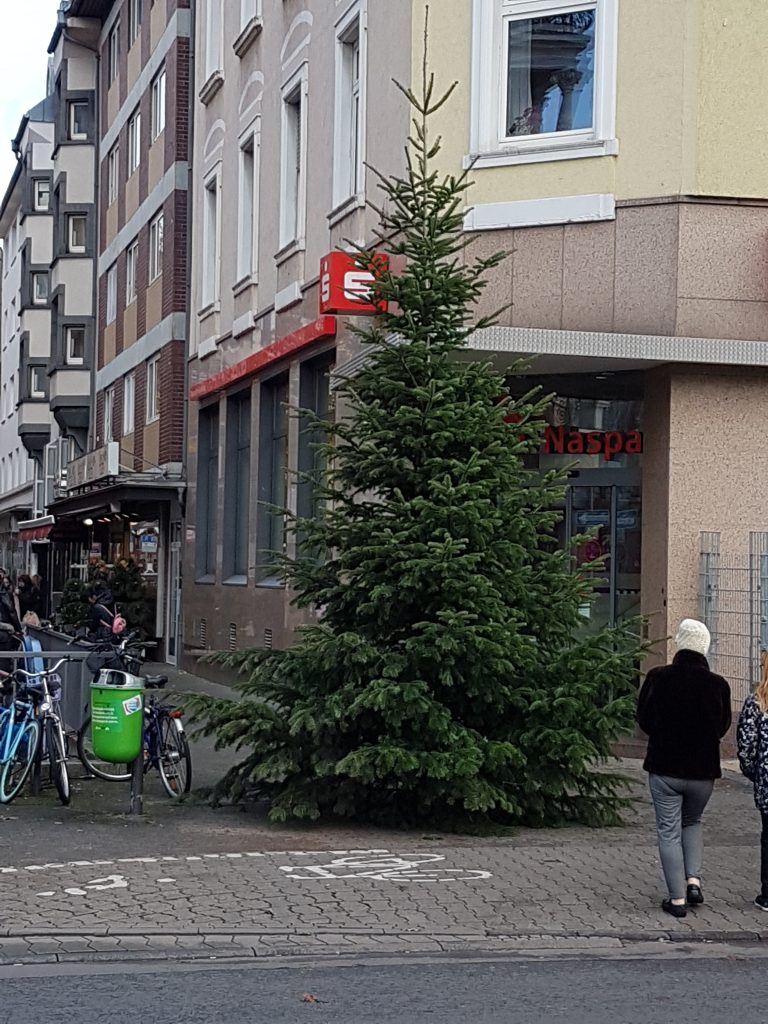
(26, 27)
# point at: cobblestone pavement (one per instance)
(204, 885)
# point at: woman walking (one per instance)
(752, 741)
(686, 710)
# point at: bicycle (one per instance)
(165, 742)
(19, 740)
(52, 741)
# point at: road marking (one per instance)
(96, 885)
(408, 867)
(206, 856)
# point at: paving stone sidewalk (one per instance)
(192, 889)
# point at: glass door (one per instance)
(611, 517)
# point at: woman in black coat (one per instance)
(686, 710)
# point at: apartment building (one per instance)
(282, 131)
(26, 229)
(601, 136)
(125, 493)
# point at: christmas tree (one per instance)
(449, 677)
(72, 608)
(129, 594)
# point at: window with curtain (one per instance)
(237, 489)
(273, 473)
(207, 491)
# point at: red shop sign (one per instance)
(559, 441)
(346, 288)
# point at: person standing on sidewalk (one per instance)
(752, 742)
(686, 710)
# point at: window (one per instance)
(292, 177)
(210, 282)
(75, 346)
(134, 20)
(207, 491)
(348, 149)
(153, 384)
(112, 293)
(134, 142)
(156, 247)
(109, 413)
(39, 289)
(237, 487)
(158, 105)
(129, 404)
(78, 119)
(131, 268)
(314, 396)
(42, 194)
(249, 9)
(213, 47)
(37, 382)
(113, 173)
(544, 80)
(76, 233)
(113, 52)
(247, 221)
(273, 473)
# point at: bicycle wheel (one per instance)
(14, 772)
(57, 759)
(101, 769)
(174, 760)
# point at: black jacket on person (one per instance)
(8, 615)
(686, 710)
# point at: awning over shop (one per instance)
(36, 533)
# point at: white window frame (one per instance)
(250, 10)
(156, 242)
(129, 404)
(70, 358)
(72, 107)
(158, 104)
(39, 299)
(111, 308)
(153, 389)
(489, 40)
(113, 173)
(248, 205)
(131, 271)
(34, 390)
(39, 206)
(72, 245)
(134, 21)
(349, 130)
(210, 284)
(109, 414)
(113, 53)
(293, 161)
(134, 142)
(213, 51)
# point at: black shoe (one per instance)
(762, 902)
(695, 896)
(675, 909)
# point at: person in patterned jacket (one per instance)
(752, 742)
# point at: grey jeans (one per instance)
(679, 805)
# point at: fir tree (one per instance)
(449, 677)
(72, 608)
(129, 593)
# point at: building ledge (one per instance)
(248, 36)
(211, 86)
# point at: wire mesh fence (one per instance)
(733, 602)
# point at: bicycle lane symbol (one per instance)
(97, 885)
(408, 867)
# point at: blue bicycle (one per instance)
(19, 740)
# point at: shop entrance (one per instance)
(612, 515)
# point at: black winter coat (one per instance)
(686, 710)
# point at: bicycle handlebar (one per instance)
(46, 672)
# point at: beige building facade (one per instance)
(615, 155)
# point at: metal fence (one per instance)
(733, 602)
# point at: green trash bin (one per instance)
(117, 716)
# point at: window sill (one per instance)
(248, 36)
(244, 284)
(211, 86)
(574, 150)
(271, 583)
(291, 248)
(338, 213)
(235, 581)
(208, 580)
(151, 420)
(209, 310)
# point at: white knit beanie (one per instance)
(693, 636)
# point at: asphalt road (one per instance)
(448, 992)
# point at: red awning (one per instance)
(36, 533)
